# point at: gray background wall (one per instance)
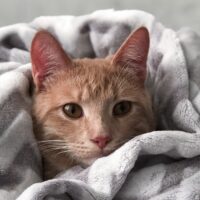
(172, 13)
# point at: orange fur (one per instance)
(96, 85)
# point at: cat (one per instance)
(84, 109)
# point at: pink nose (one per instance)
(101, 141)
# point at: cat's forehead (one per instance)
(97, 79)
(94, 79)
(97, 65)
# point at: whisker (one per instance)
(53, 145)
(49, 141)
(62, 152)
(49, 150)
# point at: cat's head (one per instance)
(87, 108)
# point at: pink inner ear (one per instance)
(47, 56)
(133, 52)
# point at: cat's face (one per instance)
(87, 108)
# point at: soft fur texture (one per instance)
(162, 164)
(96, 85)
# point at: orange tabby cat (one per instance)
(86, 108)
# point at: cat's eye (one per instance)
(122, 108)
(73, 110)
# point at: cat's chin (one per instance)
(89, 161)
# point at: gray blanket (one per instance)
(161, 165)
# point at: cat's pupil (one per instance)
(73, 110)
(122, 108)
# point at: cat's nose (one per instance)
(101, 141)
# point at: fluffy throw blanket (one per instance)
(161, 165)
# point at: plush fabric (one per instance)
(161, 165)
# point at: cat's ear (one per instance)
(47, 57)
(133, 52)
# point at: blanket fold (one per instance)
(164, 164)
